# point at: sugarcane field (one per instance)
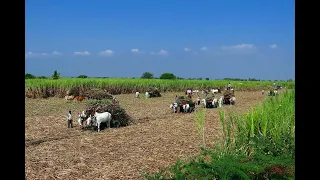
(117, 132)
(160, 90)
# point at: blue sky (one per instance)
(203, 38)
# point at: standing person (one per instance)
(176, 99)
(115, 100)
(274, 84)
(229, 86)
(70, 125)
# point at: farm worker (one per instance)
(175, 99)
(114, 100)
(70, 119)
(189, 95)
(229, 86)
(274, 84)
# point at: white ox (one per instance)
(198, 100)
(147, 95)
(186, 107)
(203, 102)
(214, 91)
(99, 118)
(137, 94)
(69, 98)
(195, 91)
(174, 106)
(215, 102)
(232, 100)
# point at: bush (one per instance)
(82, 76)
(147, 75)
(167, 76)
(29, 76)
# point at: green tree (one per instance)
(82, 76)
(147, 75)
(167, 76)
(29, 76)
(207, 79)
(55, 75)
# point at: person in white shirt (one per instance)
(69, 118)
(229, 86)
(176, 99)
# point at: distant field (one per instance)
(58, 88)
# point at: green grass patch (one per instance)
(256, 145)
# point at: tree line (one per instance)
(145, 75)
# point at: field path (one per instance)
(55, 152)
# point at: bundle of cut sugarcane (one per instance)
(98, 94)
(117, 112)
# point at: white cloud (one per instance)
(82, 53)
(29, 53)
(204, 48)
(107, 52)
(240, 46)
(273, 46)
(56, 53)
(161, 52)
(186, 49)
(135, 51)
(32, 54)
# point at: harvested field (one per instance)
(158, 139)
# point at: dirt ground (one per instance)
(161, 137)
